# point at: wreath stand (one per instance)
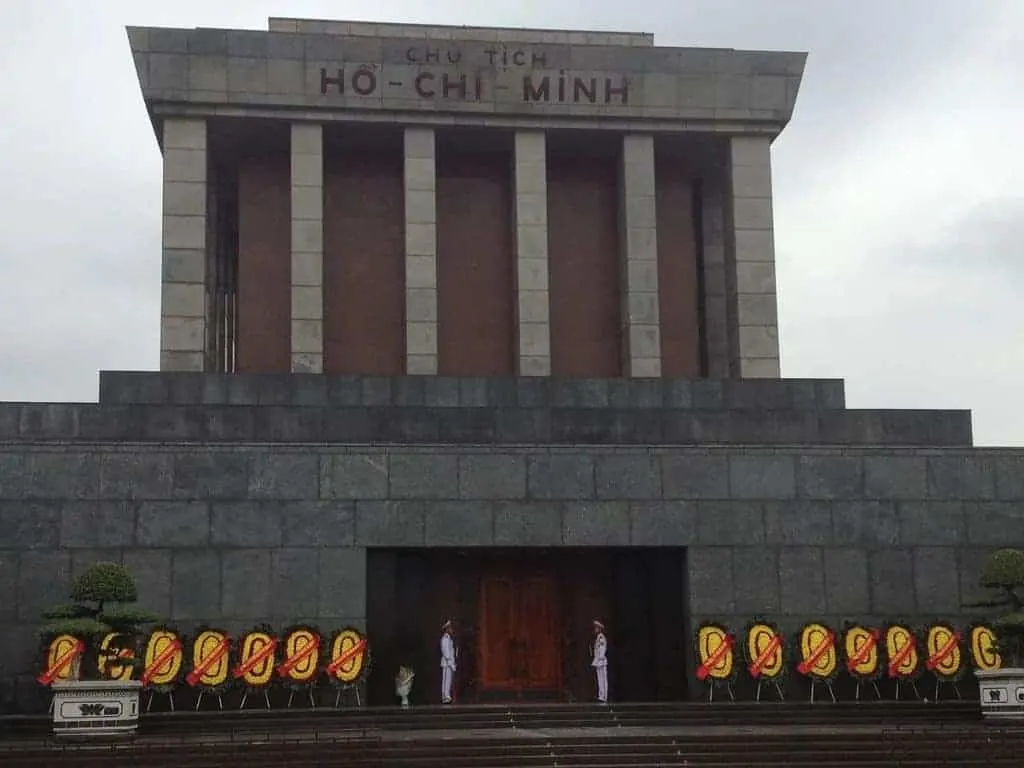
(245, 697)
(773, 682)
(952, 683)
(351, 692)
(199, 699)
(913, 684)
(170, 700)
(728, 689)
(309, 692)
(828, 687)
(874, 684)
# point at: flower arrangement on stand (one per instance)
(349, 663)
(716, 657)
(210, 672)
(301, 651)
(257, 655)
(903, 654)
(815, 647)
(862, 654)
(943, 649)
(764, 651)
(164, 664)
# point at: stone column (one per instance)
(420, 252)
(183, 295)
(751, 252)
(307, 252)
(641, 321)
(716, 313)
(533, 315)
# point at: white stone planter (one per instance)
(1002, 693)
(88, 708)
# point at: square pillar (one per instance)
(750, 243)
(420, 252)
(307, 249)
(183, 302)
(533, 314)
(716, 323)
(641, 319)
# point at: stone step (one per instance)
(978, 747)
(480, 425)
(169, 388)
(609, 720)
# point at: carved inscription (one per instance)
(499, 55)
(446, 73)
(563, 88)
(575, 90)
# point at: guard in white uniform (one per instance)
(600, 661)
(448, 653)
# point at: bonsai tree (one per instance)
(99, 609)
(1004, 574)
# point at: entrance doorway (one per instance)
(523, 622)
(520, 638)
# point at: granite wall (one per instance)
(309, 408)
(236, 532)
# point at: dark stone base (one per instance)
(162, 388)
(244, 500)
(148, 407)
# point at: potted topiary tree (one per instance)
(1000, 669)
(92, 657)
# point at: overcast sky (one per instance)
(898, 184)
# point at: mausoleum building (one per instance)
(481, 324)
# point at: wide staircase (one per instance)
(567, 736)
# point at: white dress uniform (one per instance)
(447, 663)
(600, 662)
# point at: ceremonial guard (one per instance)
(448, 654)
(599, 652)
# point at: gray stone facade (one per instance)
(275, 527)
(724, 106)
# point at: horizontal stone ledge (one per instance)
(480, 425)
(312, 390)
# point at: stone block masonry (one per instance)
(183, 301)
(639, 249)
(629, 424)
(168, 388)
(244, 533)
(750, 258)
(420, 252)
(533, 315)
(307, 249)
(533, 84)
(510, 75)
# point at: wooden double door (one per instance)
(520, 646)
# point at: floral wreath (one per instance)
(941, 643)
(330, 660)
(285, 664)
(851, 663)
(756, 655)
(716, 629)
(42, 661)
(242, 658)
(892, 654)
(818, 660)
(969, 640)
(222, 687)
(169, 631)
